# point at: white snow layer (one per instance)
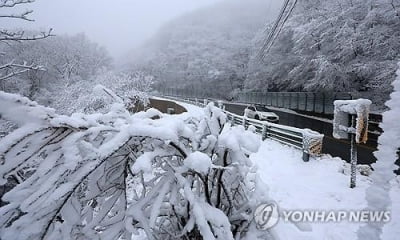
(378, 194)
(198, 161)
(320, 184)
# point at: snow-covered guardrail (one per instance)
(310, 142)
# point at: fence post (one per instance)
(306, 107)
(312, 144)
(314, 101)
(306, 156)
(264, 132)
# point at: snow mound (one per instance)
(199, 162)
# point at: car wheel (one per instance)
(257, 117)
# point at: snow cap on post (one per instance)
(312, 142)
(343, 110)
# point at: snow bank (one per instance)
(319, 184)
(378, 194)
(22, 111)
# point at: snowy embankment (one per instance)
(317, 185)
(321, 184)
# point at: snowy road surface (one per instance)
(316, 185)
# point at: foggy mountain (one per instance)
(208, 49)
(334, 46)
(343, 46)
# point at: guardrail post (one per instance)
(306, 157)
(306, 107)
(264, 132)
(220, 104)
(312, 144)
(244, 122)
(314, 101)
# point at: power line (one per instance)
(277, 28)
(276, 23)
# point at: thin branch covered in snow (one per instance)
(13, 3)
(23, 16)
(19, 36)
(108, 176)
(10, 69)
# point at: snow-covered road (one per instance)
(316, 185)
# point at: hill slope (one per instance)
(347, 46)
(334, 46)
(207, 49)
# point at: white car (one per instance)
(252, 112)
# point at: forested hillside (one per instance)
(208, 49)
(343, 45)
(64, 64)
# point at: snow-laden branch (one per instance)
(108, 176)
(23, 16)
(13, 3)
(11, 69)
(20, 36)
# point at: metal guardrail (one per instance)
(311, 102)
(310, 142)
(316, 102)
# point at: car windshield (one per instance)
(263, 109)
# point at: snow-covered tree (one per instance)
(65, 58)
(10, 68)
(333, 46)
(108, 176)
(72, 64)
(98, 93)
(207, 51)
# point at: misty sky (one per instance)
(119, 25)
